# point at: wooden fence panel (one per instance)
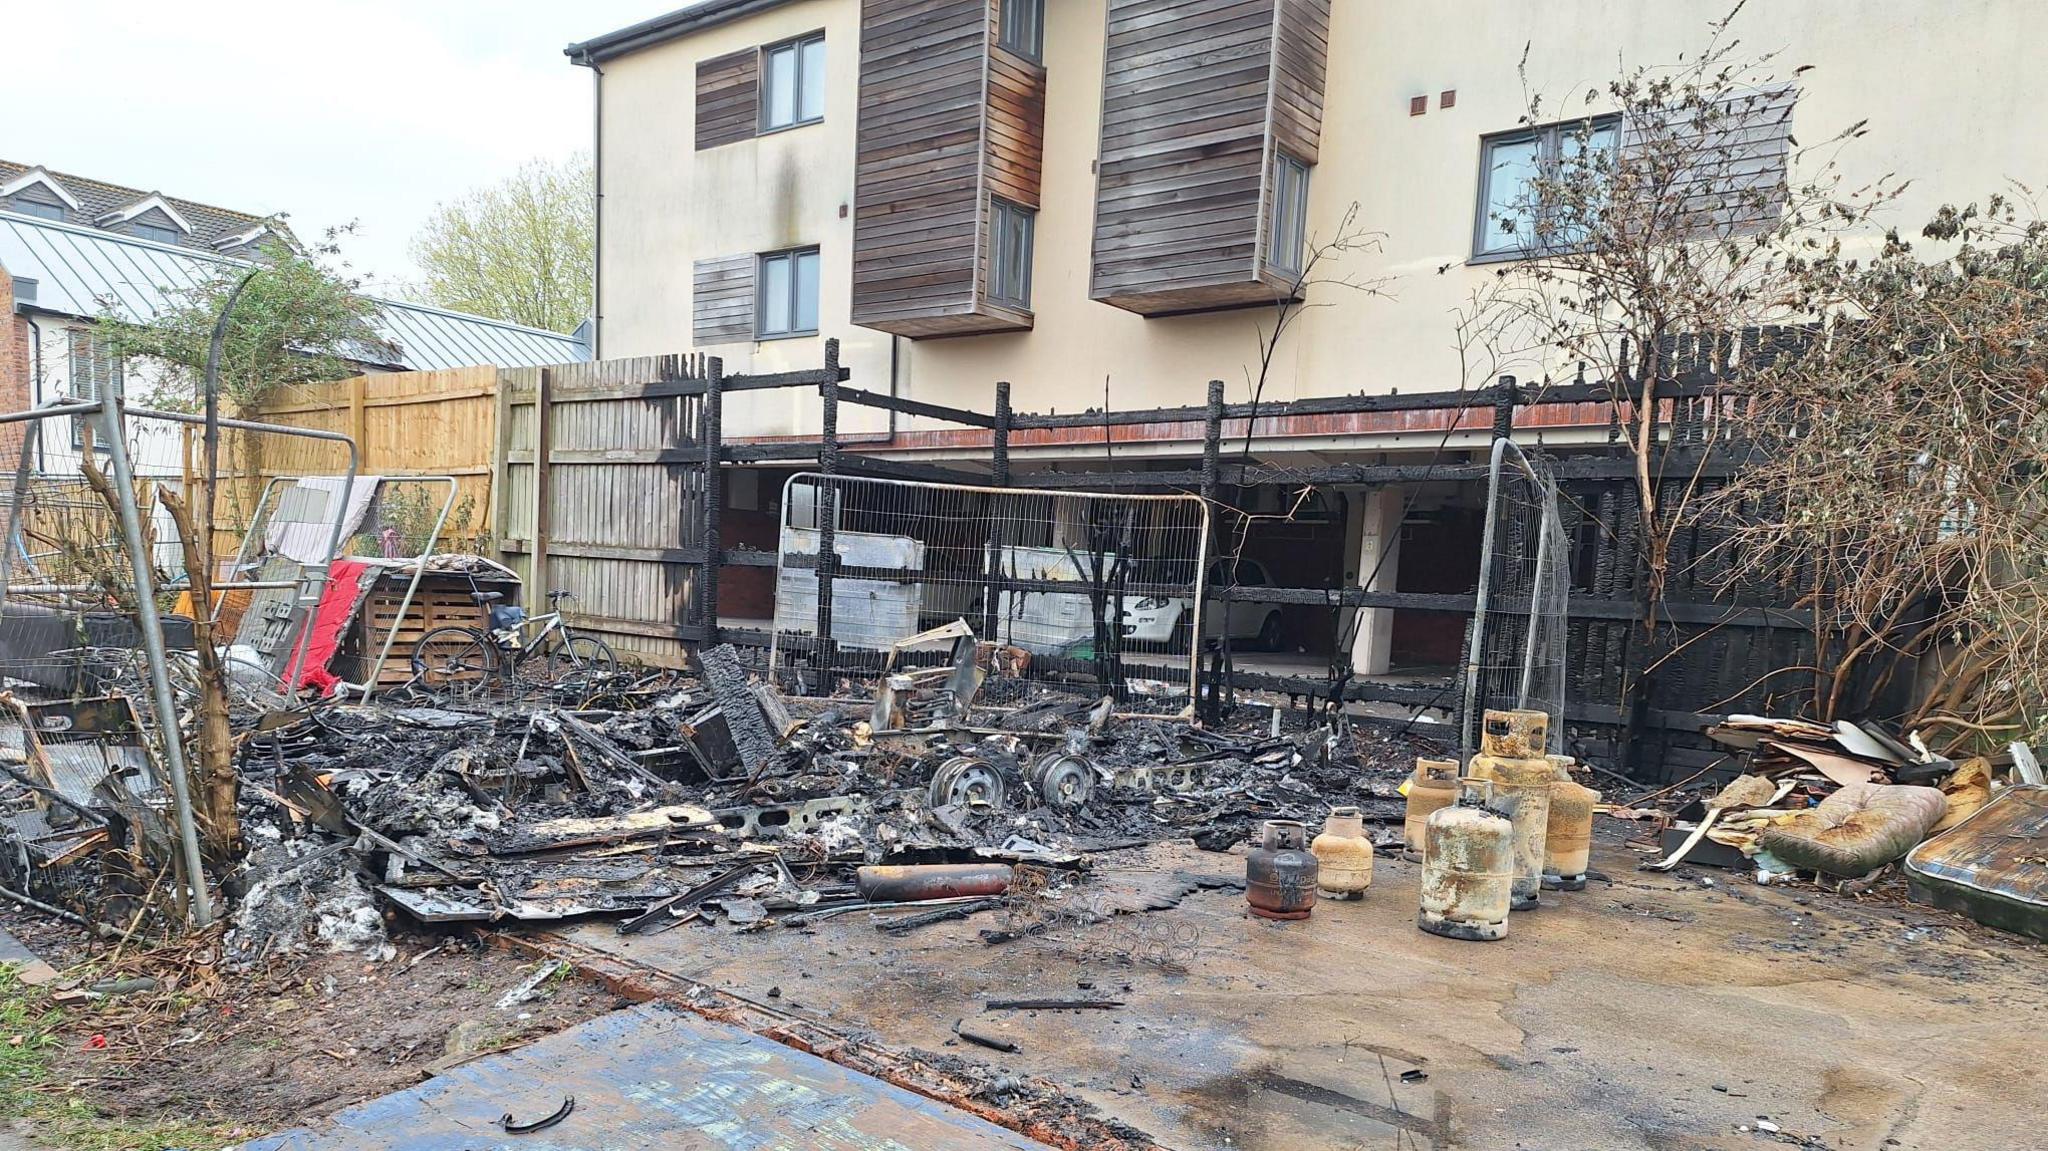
(404, 423)
(601, 495)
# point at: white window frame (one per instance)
(1013, 230)
(804, 52)
(792, 257)
(1287, 215)
(1550, 139)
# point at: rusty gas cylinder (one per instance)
(1343, 855)
(891, 884)
(1521, 792)
(1467, 868)
(1568, 842)
(1434, 785)
(1280, 872)
(1518, 734)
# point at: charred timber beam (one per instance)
(910, 407)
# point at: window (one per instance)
(1023, 30)
(1009, 268)
(157, 232)
(93, 367)
(1512, 221)
(793, 83)
(37, 201)
(788, 301)
(1287, 216)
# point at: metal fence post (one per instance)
(1210, 707)
(999, 464)
(712, 433)
(153, 650)
(828, 511)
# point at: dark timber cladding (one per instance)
(947, 119)
(1196, 96)
(728, 98)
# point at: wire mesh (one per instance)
(1092, 588)
(1516, 656)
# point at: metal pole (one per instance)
(153, 650)
(828, 515)
(1466, 713)
(1535, 595)
(1212, 450)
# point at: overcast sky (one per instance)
(329, 110)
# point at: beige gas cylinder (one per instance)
(1568, 842)
(1467, 868)
(1343, 855)
(1434, 785)
(1521, 790)
(1519, 734)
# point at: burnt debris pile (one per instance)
(717, 799)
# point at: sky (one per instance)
(332, 111)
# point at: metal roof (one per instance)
(681, 22)
(85, 272)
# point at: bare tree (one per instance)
(1675, 203)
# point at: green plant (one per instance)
(29, 1038)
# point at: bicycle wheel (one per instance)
(454, 661)
(581, 660)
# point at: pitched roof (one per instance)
(98, 199)
(681, 22)
(83, 271)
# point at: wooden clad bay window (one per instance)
(1211, 124)
(947, 165)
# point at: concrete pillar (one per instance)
(1379, 528)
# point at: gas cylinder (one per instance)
(1521, 791)
(1467, 868)
(1280, 872)
(1434, 785)
(1569, 840)
(1343, 855)
(1518, 734)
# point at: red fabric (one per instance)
(330, 619)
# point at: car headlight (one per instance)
(1151, 603)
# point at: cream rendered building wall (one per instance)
(1950, 91)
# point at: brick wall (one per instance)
(16, 383)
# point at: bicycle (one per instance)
(459, 661)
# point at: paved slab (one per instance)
(651, 1077)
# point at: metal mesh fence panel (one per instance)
(1095, 590)
(1516, 654)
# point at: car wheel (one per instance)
(1269, 632)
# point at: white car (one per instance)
(1166, 619)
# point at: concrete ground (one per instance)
(1651, 1011)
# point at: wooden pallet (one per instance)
(446, 605)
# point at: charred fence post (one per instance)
(828, 512)
(1210, 707)
(999, 462)
(1504, 409)
(712, 433)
